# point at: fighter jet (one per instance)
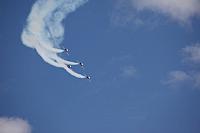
(69, 66)
(81, 64)
(66, 50)
(88, 77)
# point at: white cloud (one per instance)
(128, 71)
(181, 78)
(197, 79)
(181, 10)
(192, 74)
(130, 11)
(192, 53)
(177, 77)
(14, 125)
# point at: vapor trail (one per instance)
(44, 30)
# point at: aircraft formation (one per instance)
(69, 64)
(44, 32)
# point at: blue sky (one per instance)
(145, 73)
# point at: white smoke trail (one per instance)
(44, 30)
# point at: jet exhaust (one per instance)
(44, 31)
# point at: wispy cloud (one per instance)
(177, 78)
(197, 79)
(123, 14)
(192, 74)
(180, 10)
(131, 11)
(14, 125)
(128, 71)
(122, 67)
(192, 53)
